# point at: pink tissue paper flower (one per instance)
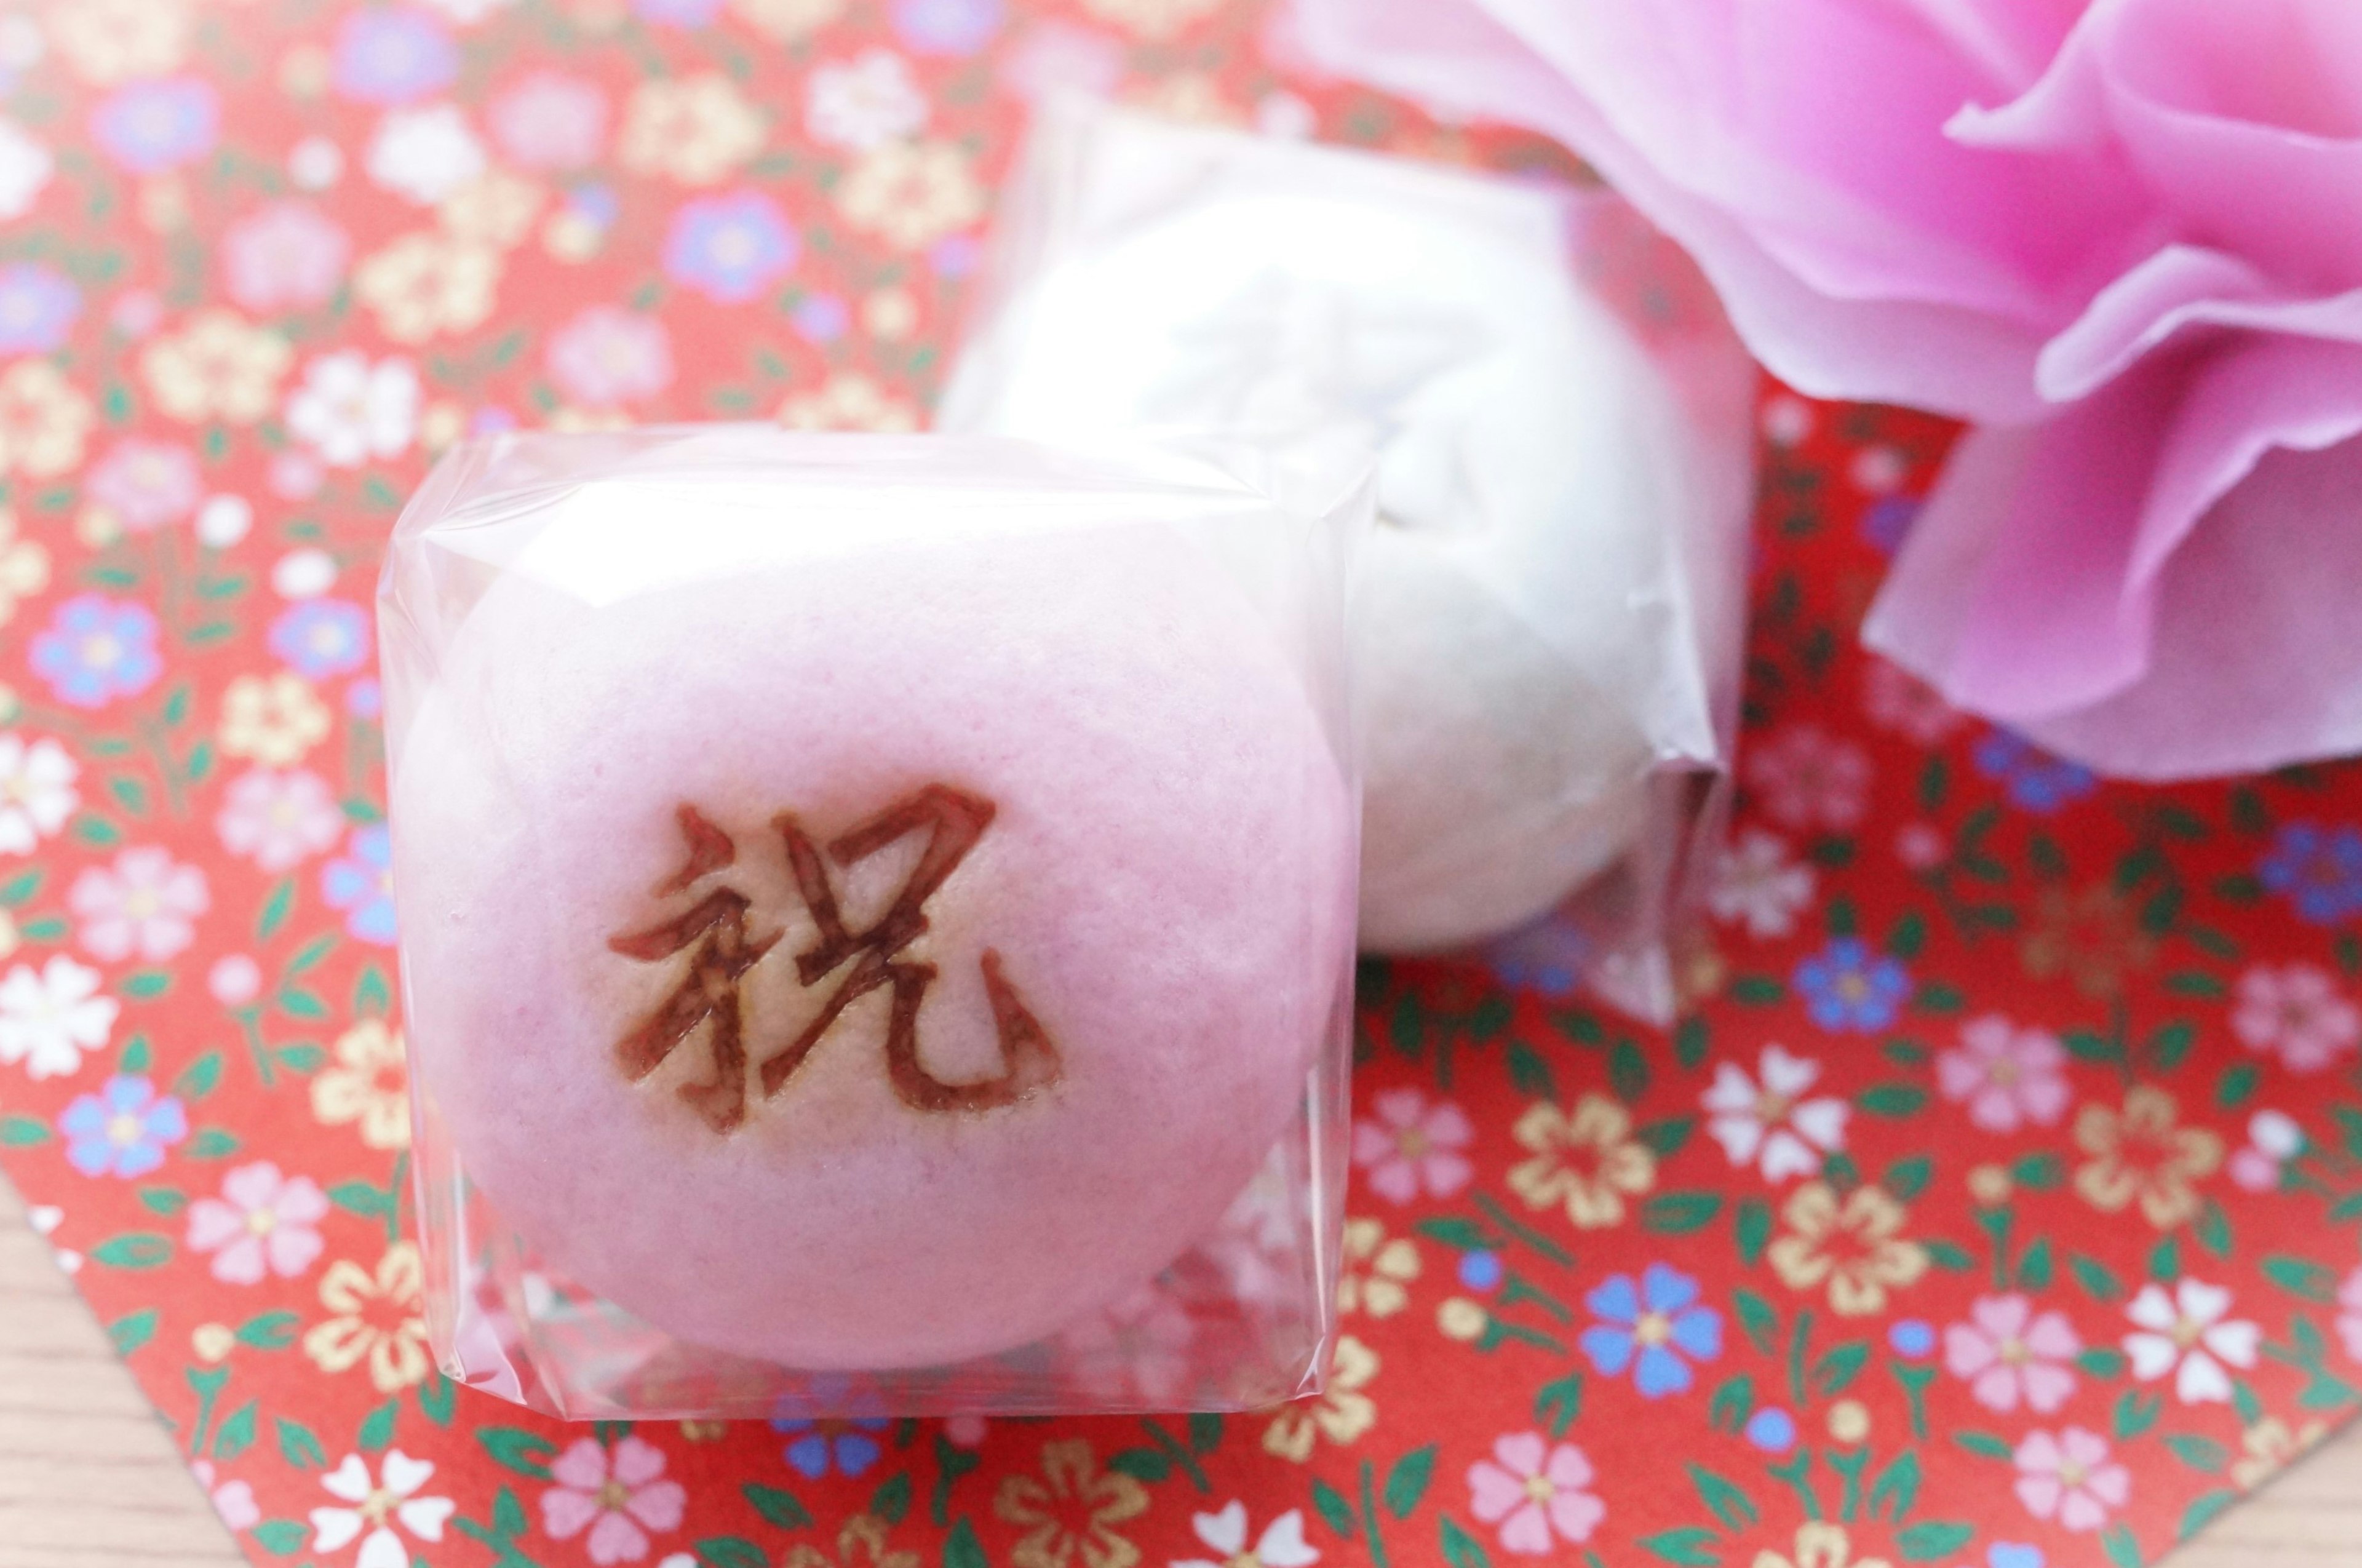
(2122, 237)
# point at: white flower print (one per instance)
(48, 1018)
(1281, 1545)
(382, 1508)
(2189, 1334)
(349, 411)
(25, 168)
(425, 153)
(860, 103)
(1770, 1123)
(1757, 884)
(36, 792)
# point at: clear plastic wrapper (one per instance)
(1548, 653)
(877, 917)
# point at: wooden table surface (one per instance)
(89, 1479)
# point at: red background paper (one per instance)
(2160, 966)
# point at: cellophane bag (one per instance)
(875, 918)
(1548, 656)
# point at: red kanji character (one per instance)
(716, 927)
(954, 821)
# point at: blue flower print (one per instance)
(1650, 1328)
(2009, 1554)
(2318, 869)
(97, 649)
(946, 26)
(1480, 1269)
(322, 638)
(38, 307)
(1772, 1430)
(1911, 1339)
(123, 1130)
(821, 318)
(1847, 985)
(847, 1447)
(1546, 957)
(729, 248)
(2036, 780)
(1886, 523)
(149, 126)
(392, 54)
(361, 883)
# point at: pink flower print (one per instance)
(145, 904)
(2349, 1315)
(2068, 1477)
(1535, 1493)
(2008, 1077)
(284, 256)
(278, 820)
(1898, 700)
(1138, 1347)
(607, 355)
(550, 120)
(1412, 1146)
(146, 484)
(619, 1496)
(232, 1501)
(262, 1223)
(1807, 778)
(2011, 1354)
(2296, 1012)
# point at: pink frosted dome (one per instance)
(1164, 882)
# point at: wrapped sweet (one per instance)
(1549, 641)
(867, 901)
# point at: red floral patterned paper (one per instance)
(1998, 1205)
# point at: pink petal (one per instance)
(2040, 1494)
(636, 1462)
(254, 1186)
(240, 1262)
(212, 1222)
(302, 1202)
(1527, 1531)
(1569, 1469)
(1493, 1491)
(658, 1504)
(1576, 1514)
(566, 1513)
(1996, 1387)
(291, 1249)
(1520, 1454)
(1449, 1125)
(583, 1466)
(2047, 1387)
(2051, 1337)
(615, 1539)
(1395, 1181)
(2079, 1510)
(1446, 1174)
(1968, 1350)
